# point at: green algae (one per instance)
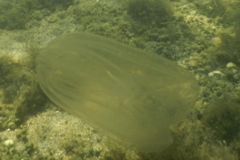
(20, 95)
(149, 11)
(18, 14)
(123, 91)
(222, 116)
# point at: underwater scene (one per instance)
(119, 80)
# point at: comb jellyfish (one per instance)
(122, 91)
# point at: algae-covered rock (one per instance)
(58, 135)
(20, 95)
(123, 91)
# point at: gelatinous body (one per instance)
(123, 91)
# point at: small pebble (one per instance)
(8, 142)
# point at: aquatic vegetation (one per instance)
(11, 74)
(20, 96)
(223, 117)
(229, 49)
(232, 13)
(226, 42)
(16, 14)
(212, 8)
(122, 91)
(149, 11)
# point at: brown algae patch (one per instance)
(126, 93)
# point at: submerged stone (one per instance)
(122, 91)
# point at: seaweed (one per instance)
(228, 48)
(16, 14)
(223, 117)
(153, 12)
(20, 94)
